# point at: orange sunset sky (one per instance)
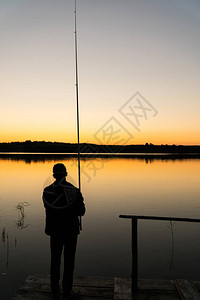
(138, 71)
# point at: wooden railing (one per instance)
(135, 219)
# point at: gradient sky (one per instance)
(124, 47)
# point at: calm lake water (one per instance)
(110, 186)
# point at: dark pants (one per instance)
(57, 243)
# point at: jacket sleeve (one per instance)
(81, 206)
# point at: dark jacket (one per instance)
(63, 204)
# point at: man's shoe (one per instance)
(55, 291)
(73, 295)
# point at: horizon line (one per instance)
(144, 144)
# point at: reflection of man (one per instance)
(63, 203)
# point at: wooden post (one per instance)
(134, 256)
(134, 219)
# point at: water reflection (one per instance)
(21, 215)
(48, 157)
(3, 235)
(5, 240)
(119, 185)
(171, 228)
(7, 245)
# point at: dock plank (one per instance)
(94, 281)
(188, 290)
(158, 284)
(39, 296)
(34, 296)
(86, 281)
(105, 288)
(38, 287)
(86, 285)
(122, 288)
(148, 290)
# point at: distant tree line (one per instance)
(57, 147)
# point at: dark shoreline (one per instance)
(93, 149)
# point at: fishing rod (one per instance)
(77, 95)
(77, 103)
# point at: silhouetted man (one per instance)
(63, 204)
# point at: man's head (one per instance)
(59, 171)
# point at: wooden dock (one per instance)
(100, 288)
